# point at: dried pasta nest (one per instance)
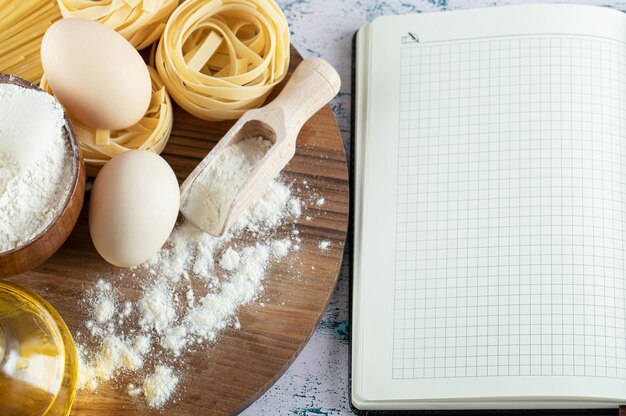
(150, 133)
(22, 26)
(219, 58)
(141, 22)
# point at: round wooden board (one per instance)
(226, 376)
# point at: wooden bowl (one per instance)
(48, 241)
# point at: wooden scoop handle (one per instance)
(312, 85)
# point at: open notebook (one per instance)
(490, 200)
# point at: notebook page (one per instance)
(508, 228)
(510, 231)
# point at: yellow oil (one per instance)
(38, 363)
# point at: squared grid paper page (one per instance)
(510, 227)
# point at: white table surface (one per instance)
(317, 382)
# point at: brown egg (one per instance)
(96, 74)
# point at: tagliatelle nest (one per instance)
(141, 22)
(22, 26)
(150, 133)
(219, 58)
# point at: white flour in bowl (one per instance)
(8, 169)
(186, 294)
(35, 164)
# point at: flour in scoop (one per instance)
(35, 164)
(215, 189)
(190, 291)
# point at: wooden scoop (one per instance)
(311, 86)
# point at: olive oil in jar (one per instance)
(38, 363)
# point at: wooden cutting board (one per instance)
(226, 376)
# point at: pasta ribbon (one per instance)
(22, 26)
(219, 58)
(150, 133)
(141, 22)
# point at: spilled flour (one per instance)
(185, 295)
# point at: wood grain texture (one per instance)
(54, 235)
(224, 377)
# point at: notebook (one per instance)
(489, 210)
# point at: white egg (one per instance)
(96, 74)
(133, 207)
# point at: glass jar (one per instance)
(38, 362)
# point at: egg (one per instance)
(133, 207)
(96, 74)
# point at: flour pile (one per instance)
(187, 293)
(35, 164)
(9, 168)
